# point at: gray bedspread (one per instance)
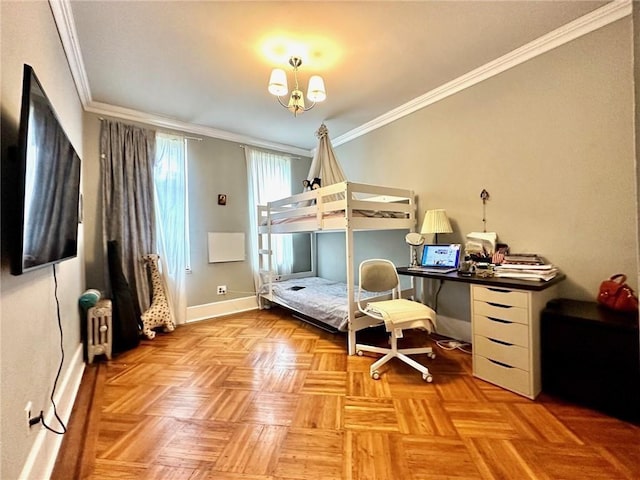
(321, 299)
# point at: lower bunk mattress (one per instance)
(322, 300)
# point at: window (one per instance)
(269, 176)
(171, 208)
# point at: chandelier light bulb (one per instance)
(296, 103)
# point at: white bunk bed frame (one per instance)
(337, 207)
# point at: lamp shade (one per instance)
(436, 221)
(316, 91)
(278, 82)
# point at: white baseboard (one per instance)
(218, 309)
(43, 454)
(454, 328)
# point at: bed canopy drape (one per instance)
(325, 163)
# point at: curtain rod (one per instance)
(294, 157)
(198, 139)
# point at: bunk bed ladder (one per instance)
(264, 253)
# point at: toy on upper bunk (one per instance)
(308, 185)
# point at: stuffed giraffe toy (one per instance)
(158, 314)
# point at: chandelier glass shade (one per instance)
(278, 86)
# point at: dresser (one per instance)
(590, 356)
(506, 336)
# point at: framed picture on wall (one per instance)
(222, 199)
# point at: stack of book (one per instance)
(525, 267)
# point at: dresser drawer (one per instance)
(501, 296)
(505, 331)
(511, 378)
(513, 355)
(503, 312)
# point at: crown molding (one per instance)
(65, 23)
(586, 24)
(63, 17)
(104, 109)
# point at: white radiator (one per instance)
(99, 331)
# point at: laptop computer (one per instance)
(439, 259)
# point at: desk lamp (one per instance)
(436, 221)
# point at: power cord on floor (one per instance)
(453, 345)
(55, 383)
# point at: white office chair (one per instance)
(398, 314)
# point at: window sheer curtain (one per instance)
(269, 178)
(170, 186)
(126, 161)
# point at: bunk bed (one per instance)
(343, 206)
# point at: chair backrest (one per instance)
(378, 275)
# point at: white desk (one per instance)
(505, 324)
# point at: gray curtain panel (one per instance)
(127, 153)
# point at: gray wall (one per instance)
(216, 166)
(219, 166)
(552, 140)
(636, 77)
(29, 345)
(95, 251)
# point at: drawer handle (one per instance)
(500, 364)
(500, 342)
(499, 320)
(499, 305)
(499, 290)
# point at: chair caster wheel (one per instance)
(427, 377)
(375, 375)
(431, 355)
(360, 353)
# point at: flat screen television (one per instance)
(47, 185)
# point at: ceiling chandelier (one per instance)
(278, 87)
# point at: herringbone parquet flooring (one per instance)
(263, 396)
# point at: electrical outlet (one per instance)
(222, 289)
(27, 413)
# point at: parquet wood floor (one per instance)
(263, 396)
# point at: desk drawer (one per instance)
(501, 296)
(504, 376)
(513, 355)
(503, 312)
(505, 331)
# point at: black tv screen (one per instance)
(47, 184)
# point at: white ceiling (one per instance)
(204, 64)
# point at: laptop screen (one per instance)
(441, 256)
